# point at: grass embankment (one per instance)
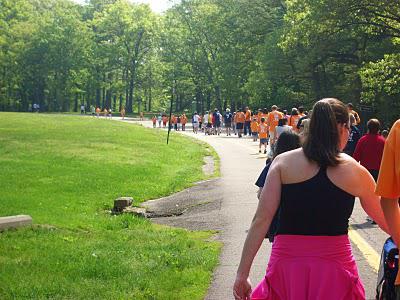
(65, 172)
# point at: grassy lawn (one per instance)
(65, 171)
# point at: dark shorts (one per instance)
(228, 124)
(263, 141)
(254, 133)
(209, 125)
(239, 125)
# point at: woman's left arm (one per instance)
(267, 206)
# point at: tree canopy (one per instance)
(202, 53)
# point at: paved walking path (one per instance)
(240, 167)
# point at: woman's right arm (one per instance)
(267, 206)
(370, 202)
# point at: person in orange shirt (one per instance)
(263, 133)
(247, 121)
(164, 120)
(154, 120)
(259, 115)
(388, 186)
(183, 121)
(98, 111)
(301, 111)
(254, 128)
(273, 118)
(240, 119)
(294, 119)
(174, 122)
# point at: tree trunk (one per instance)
(98, 100)
(76, 103)
(150, 99)
(208, 100)
(218, 103)
(108, 98)
(129, 105)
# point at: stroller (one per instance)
(389, 265)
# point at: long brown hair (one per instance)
(322, 141)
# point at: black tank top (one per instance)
(315, 207)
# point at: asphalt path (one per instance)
(240, 166)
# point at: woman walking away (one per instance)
(311, 256)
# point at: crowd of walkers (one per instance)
(306, 213)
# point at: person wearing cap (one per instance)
(228, 121)
(273, 118)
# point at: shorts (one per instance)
(228, 124)
(239, 125)
(254, 133)
(264, 141)
(209, 125)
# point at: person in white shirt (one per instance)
(195, 122)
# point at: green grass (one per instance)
(65, 171)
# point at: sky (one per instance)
(156, 5)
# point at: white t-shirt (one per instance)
(196, 119)
(280, 129)
(205, 119)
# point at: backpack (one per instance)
(385, 288)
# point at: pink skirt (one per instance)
(310, 268)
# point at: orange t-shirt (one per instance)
(263, 131)
(183, 120)
(173, 120)
(240, 117)
(154, 119)
(293, 120)
(254, 126)
(248, 115)
(388, 185)
(259, 117)
(273, 119)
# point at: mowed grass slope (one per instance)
(65, 172)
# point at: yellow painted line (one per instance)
(367, 251)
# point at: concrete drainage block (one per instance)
(15, 221)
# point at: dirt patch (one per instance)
(196, 208)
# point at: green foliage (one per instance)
(72, 169)
(200, 53)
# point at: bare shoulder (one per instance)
(349, 165)
(350, 176)
(291, 162)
